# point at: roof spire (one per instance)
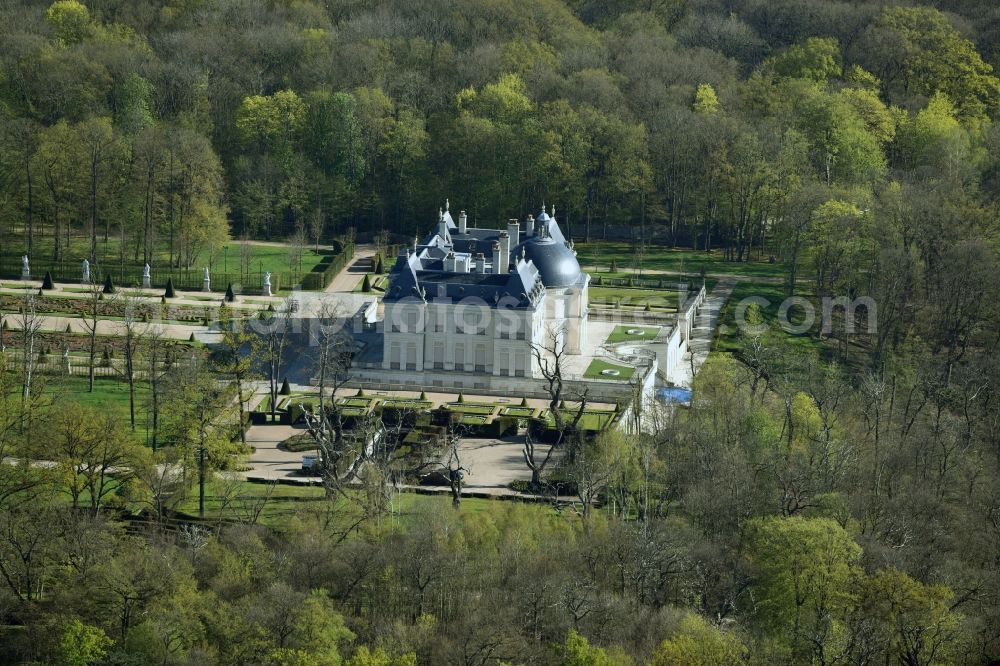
(553, 213)
(446, 204)
(440, 214)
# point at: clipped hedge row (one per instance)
(322, 275)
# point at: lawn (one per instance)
(278, 503)
(471, 407)
(377, 282)
(276, 259)
(597, 367)
(598, 255)
(592, 419)
(519, 412)
(729, 337)
(110, 396)
(633, 333)
(625, 296)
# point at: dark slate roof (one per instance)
(542, 260)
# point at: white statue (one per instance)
(86, 271)
(267, 284)
(145, 277)
(25, 268)
(206, 284)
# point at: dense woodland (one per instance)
(836, 502)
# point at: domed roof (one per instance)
(555, 262)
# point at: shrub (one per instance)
(524, 402)
(647, 308)
(230, 296)
(360, 393)
(379, 266)
(285, 388)
(169, 293)
(614, 266)
(423, 395)
(163, 300)
(461, 398)
(109, 286)
(69, 328)
(47, 282)
(191, 337)
(366, 284)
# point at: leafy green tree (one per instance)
(698, 643)
(577, 651)
(705, 99)
(70, 20)
(82, 644)
(272, 124)
(916, 623)
(817, 59)
(916, 50)
(806, 569)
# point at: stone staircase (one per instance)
(706, 321)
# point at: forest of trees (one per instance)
(829, 503)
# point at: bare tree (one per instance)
(269, 344)
(31, 324)
(130, 333)
(296, 249)
(156, 352)
(317, 224)
(94, 308)
(237, 357)
(549, 356)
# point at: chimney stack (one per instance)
(480, 263)
(529, 226)
(514, 231)
(504, 267)
(496, 258)
(463, 221)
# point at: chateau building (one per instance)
(484, 301)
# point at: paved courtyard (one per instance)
(491, 464)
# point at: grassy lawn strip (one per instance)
(281, 503)
(600, 254)
(774, 295)
(520, 412)
(471, 407)
(635, 297)
(621, 333)
(591, 420)
(597, 366)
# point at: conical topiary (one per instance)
(379, 267)
(614, 266)
(366, 284)
(423, 395)
(461, 398)
(47, 282)
(361, 393)
(230, 295)
(285, 388)
(524, 402)
(169, 291)
(191, 337)
(109, 287)
(69, 328)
